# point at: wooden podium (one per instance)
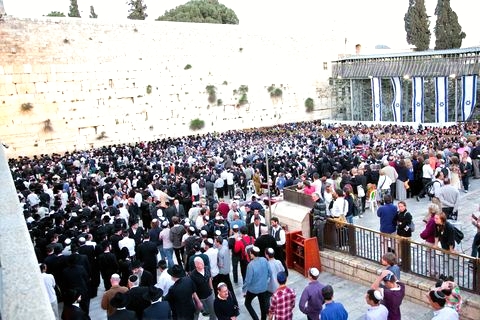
(302, 253)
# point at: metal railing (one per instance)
(414, 257)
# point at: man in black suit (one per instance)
(89, 252)
(135, 296)
(146, 253)
(76, 278)
(120, 302)
(145, 277)
(179, 209)
(158, 310)
(107, 263)
(265, 241)
(254, 228)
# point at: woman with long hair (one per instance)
(444, 232)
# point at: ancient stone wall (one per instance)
(75, 83)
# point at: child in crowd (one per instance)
(389, 260)
(451, 291)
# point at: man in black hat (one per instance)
(135, 295)
(120, 302)
(182, 295)
(158, 310)
(146, 277)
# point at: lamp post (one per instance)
(268, 188)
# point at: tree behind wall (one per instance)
(201, 11)
(74, 13)
(417, 25)
(56, 14)
(93, 15)
(448, 31)
(138, 10)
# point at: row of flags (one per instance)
(468, 94)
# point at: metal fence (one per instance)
(414, 257)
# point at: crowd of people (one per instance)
(110, 214)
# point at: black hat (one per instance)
(119, 300)
(153, 294)
(176, 271)
(136, 264)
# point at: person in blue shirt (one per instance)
(332, 310)
(256, 283)
(388, 220)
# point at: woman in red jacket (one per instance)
(428, 234)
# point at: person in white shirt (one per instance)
(376, 310)
(49, 282)
(195, 190)
(340, 205)
(438, 301)
(212, 254)
(317, 183)
(128, 243)
(164, 279)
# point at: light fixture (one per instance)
(406, 77)
(452, 76)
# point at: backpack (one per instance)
(458, 235)
(244, 254)
(201, 183)
(429, 188)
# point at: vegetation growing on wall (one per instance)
(219, 102)
(102, 135)
(197, 124)
(56, 14)
(149, 89)
(137, 10)
(93, 15)
(241, 92)
(212, 93)
(26, 107)
(201, 11)
(188, 66)
(309, 105)
(74, 12)
(275, 92)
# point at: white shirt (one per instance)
(129, 243)
(318, 186)
(49, 282)
(164, 282)
(229, 178)
(195, 189)
(379, 312)
(340, 206)
(445, 313)
(212, 254)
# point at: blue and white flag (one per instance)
(441, 99)
(417, 99)
(469, 95)
(397, 99)
(377, 99)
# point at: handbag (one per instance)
(360, 191)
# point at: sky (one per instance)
(368, 22)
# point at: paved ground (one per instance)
(350, 293)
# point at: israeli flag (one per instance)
(377, 99)
(397, 99)
(441, 99)
(417, 99)
(469, 95)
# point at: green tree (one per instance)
(201, 11)
(138, 10)
(74, 13)
(56, 14)
(448, 31)
(417, 25)
(93, 15)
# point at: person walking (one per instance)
(282, 302)
(332, 310)
(256, 283)
(311, 300)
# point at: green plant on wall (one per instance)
(275, 92)
(197, 124)
(188, 66)
(309, 105)
(219, 102)
(26, 107)
(212, 93)
(242, 93)
(149, 89)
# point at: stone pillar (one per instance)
(23, 295)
